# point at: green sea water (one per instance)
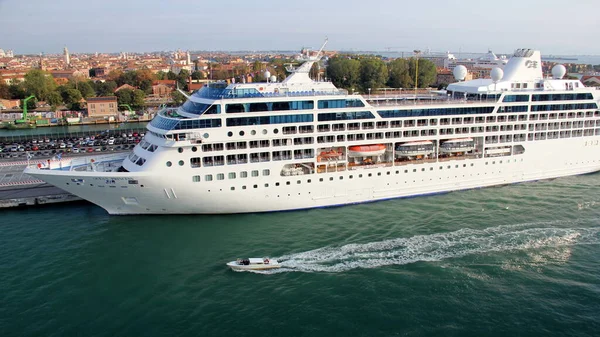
(519, 260)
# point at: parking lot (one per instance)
(46, 147)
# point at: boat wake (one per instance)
(436, 247)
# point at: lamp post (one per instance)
(369, 93)
(417, 53)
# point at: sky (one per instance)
(87, 26)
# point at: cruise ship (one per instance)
(299, 144)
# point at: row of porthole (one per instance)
(361, 175)
(194, 149)
(266, 185)
(252, 132)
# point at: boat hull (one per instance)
(156, 193)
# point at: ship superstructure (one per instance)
(296, 144)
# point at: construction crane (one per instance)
(24, 120)
(131, 112)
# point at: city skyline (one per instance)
(146, 26)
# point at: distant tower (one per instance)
(189, 58)
(67, 57)
(41, 61)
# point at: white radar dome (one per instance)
(267, 74)
(558, 71)
(273, 78)
(497, 74)
(460, 72)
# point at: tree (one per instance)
(114, 75)
(182, 79)
(196, 75)
(399, 76)
(71, 97)
(39, 83)
(105, 88)
(344, 72)
(86, 89)
(177, 97)
(171, 75)
(137, 100)
(124, 96)
(4, 90)
(427, 72)
(17, 91)
(373, 73)
(54, 99)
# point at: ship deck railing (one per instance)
(381, 100)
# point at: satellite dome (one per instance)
(273, 78)
(267, 74)
(460, 72)
(558, 71)
(497, 74)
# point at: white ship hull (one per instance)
(163, 194)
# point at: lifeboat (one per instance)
(366, 150)
(418, 148)
(457, 145)
(330, 154)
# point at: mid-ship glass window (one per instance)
(336, 116)
(340, 103)
(200, 108)
(561, 97)
(264, 120)
(435, 112)
(559, 107)
(516, 98)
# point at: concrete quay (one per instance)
(18, 189)
(33, 195)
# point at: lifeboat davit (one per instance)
(457, 145)
(418, 148)
(366, 150)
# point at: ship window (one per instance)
(255, 186)
(229, 134)
(208, 177)
(255, 173)
(181, 163)
(266, 185)
(231, 175)
(232, 188)
(195, 179)
(169, 164)
(360, 175)
(234, 108)
(243, 174)
(287, 182)
(330, 178)
(244, 187)
(298, 182)
(321, 179)
(194, 149)
(266, 172)
(180, 150)
(241, 133)
(341, 177)
(220, 176)
(257, 107)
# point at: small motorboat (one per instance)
(254, 264)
